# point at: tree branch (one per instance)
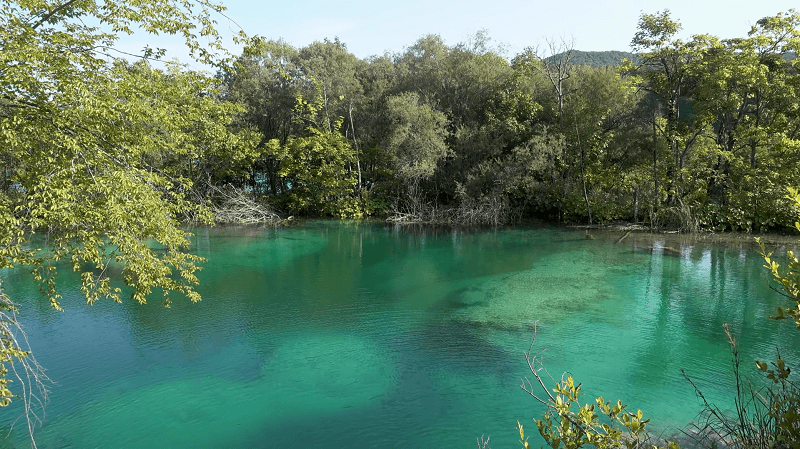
(52, 13)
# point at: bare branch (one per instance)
(26, 369)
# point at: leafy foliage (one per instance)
(790, 278)
(570, 424)
(416, 138)
(696, 134)
(315, 166)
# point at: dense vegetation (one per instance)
(697, 134)
(99, 157)
(687, 135)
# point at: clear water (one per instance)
(365, 335)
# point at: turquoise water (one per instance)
(367, 335)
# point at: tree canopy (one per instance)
(682, 134)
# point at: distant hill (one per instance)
(598, 58)
(614, 58)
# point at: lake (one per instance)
(367, 335)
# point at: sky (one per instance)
(374, 27)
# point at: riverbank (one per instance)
(617, 232)
(620, 232)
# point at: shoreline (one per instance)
(619, 231)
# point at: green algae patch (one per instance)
(556, 287)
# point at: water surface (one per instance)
(367, 335)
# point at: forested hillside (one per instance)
(697, 134)
(598, 58)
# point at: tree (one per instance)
(591, 118)
(333, 69)
(529, 173)
(416, 138)
(265, 82)
(316, 164)
(665, 71)
(558, 69)
(378, 81)
(746, 92)
(85, 136)
(476, 75)
(421, 68)
(476, 70)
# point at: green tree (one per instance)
(746, 91)
(664, 71)
(421, 68)
(316, 166)
(416, 137)
(265, 81)
(592, 117)
(476, 70)
(333, 69)
(476, 76)
(84, 136)
(529, 173)
(379, 81)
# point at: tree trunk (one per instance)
(355, 144)
(655, 162)
(583, 174)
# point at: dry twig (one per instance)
(26, 369)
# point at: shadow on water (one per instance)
(459, 346)
(455, 300)
(575, 240)
(655, 251)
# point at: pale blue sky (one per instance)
(372, 27)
